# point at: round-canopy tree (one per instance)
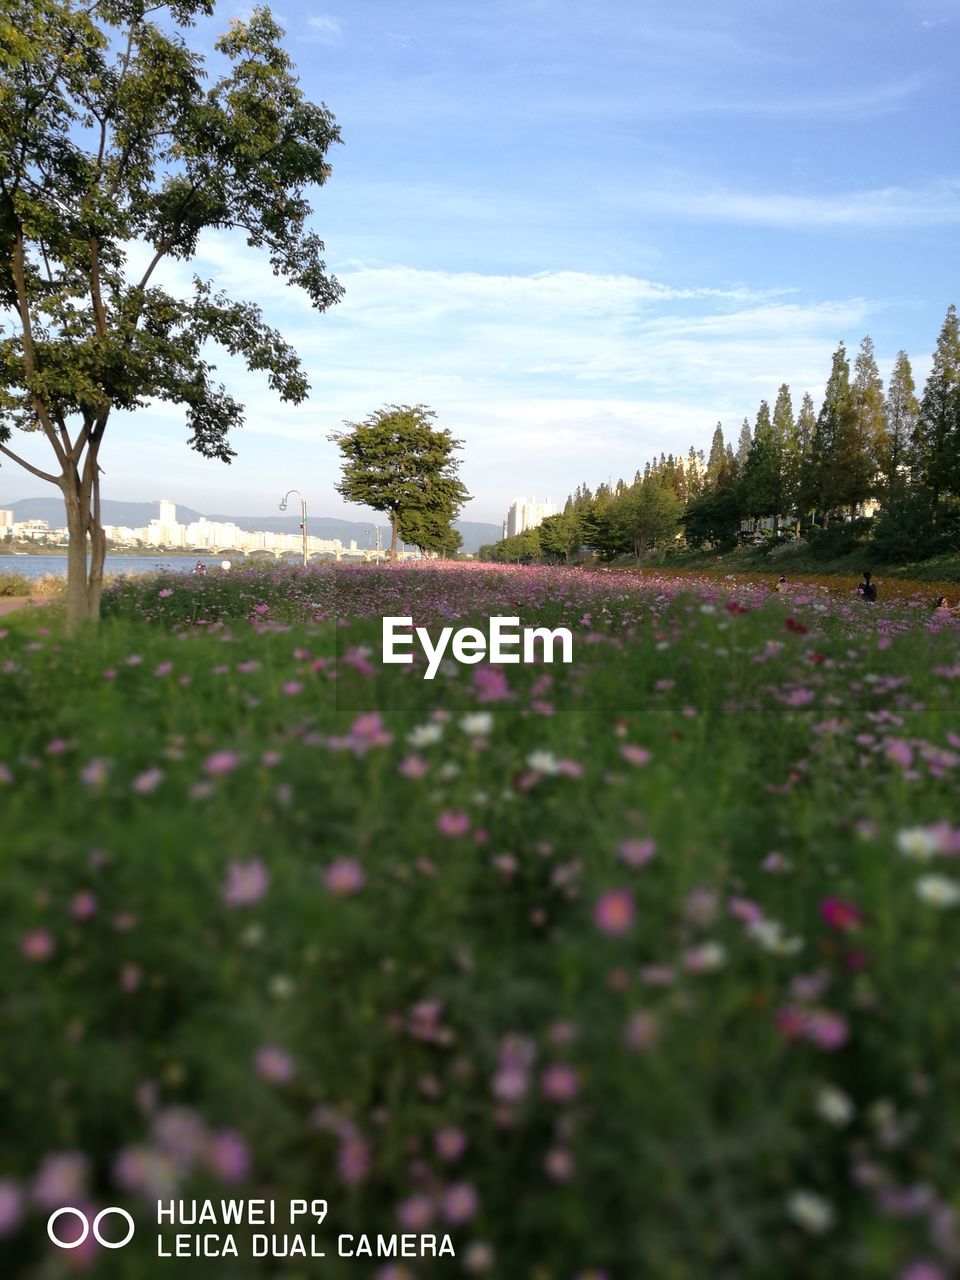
(111, 137)
(396, 461)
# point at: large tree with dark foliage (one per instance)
(111, 137)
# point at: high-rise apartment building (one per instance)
(526, 513)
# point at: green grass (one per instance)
(145, 758)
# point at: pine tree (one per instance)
(716, 464)
(871, 425)
(834, 440)
(760, 482)
(743, 447)
(802, 482)
(937, 435)
(901, 409)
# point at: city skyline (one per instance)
(563, 236)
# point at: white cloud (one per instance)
(324, 28)
(878, 209)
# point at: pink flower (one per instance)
(559, 1082)
(559, 1165)
(642, 1031)
(415, 1214)
(828, 1031)
(460, 1203)
(413, 766)
(274, 1065)
(899, 752)
(11, 1207)
(228, 1157)
(614, 912)
(37, 945)
(453, 823)
(95, 773)
(147, 782)
(450, 1143)
(165, 593)
(638, 756)
(83, 906)
(163, 669)
(353, 1159)
(220, 763)
(839, 914)
(61, 1179)
(292, 688)
(246, 884)
(637, 853)
(344, 877)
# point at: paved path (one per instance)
(9, 603)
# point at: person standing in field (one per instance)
(781, 584)
(866, 590)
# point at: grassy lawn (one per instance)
(644, 966)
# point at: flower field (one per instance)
(645, 966)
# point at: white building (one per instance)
(526, 513)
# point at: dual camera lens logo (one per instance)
(86, 1228)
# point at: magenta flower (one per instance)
(453, 823)
(840, 915)
(147, 782)
(228, 1157)
(353, 1159)
(246, 883)
(274, 1065)
(220, 763)
(415, 1214)
(460, 1203)
(614, 912)
(638, 756)
(637, 853)
(11, 1207)
(559, 1082)
(37, 945)
(450, 1143)
(344, 877)
(83, 906)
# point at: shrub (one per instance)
(13, 584)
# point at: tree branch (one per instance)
(22, 462)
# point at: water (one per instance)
(36, 566)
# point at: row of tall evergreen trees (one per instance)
(869, 450)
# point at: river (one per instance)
(35, 566)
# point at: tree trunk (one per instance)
(394, 524)
(84, 577)
(78, 600)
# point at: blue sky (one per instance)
(584, 235)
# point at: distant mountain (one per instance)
(137, 514)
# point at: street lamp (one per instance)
(303, 517)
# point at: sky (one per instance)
(584, 235)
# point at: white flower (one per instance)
(918, 843)
(811, 1212)
(706, 958)
(424, 735)
(833, 1105)
(478, 724)
(769, 935)
(543, 762)
(938, 891)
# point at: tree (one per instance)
(712, 518)
(561, 536)
(430, 531)
(804, 486)
(395, 461)
(871, 423)
(835, 441)
(901, 409)
(760, 479)
(743, 447)
(645, 517)
(937, 434)
(110, 136)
